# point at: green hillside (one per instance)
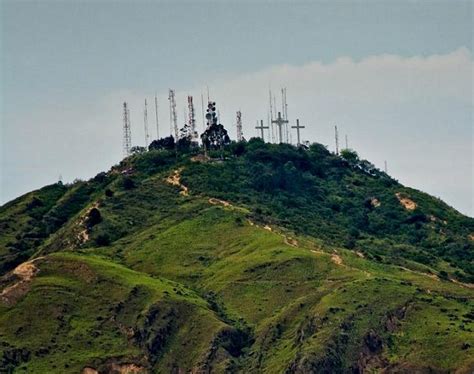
(262, 258)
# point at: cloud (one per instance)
(414, 112)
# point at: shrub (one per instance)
(102, 240)
(93, 218)
(128, 183)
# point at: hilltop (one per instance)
(257, 258)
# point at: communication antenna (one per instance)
(192, 118)
(284, 107)
(270, 117)
(173, 116)
(127, 137)
(156, 118)
(336, 134)
(203, 117)
(347, 143)
(280, 122)
(145, 122)
(385, 167)
(239, 126)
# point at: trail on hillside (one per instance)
(175, 180)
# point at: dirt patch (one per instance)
(79, 270)
(215, 201)
(407, 203)
(23, 274)
(83, 235)
(467, 285)
(360, 254)
(88, 370)
(432, 276)
(471, 237)
(336, 259)
(175, 180)
(290, 241)
(126, 368)
(200, 158)
(117, 369)
(375, 202)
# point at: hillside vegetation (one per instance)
(260, 258)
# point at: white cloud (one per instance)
(415, 112)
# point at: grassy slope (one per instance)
(83, 310)
(303, 309)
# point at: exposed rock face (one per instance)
(407, 203)
(22, 276)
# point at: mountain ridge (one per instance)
(268, 258)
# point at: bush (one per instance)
(102, 240)
(128, 183)
(93, 218)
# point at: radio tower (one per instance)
(156, 118)
(270, 118)
(336, 134)
(192, 118)
(145, 123)
(239, 126)
(173, 116)
(127, 135)
(284, 107)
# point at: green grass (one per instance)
(182, 284)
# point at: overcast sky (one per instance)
(395, 76)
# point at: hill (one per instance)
(261, 258)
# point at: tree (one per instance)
(350, 156)
(215, 136)
(137, 149)
(167, 143)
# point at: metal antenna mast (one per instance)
(156, 118)
(203, 117)
(385, 167)
(173, 116)
(270, 117)
(347, 143)
(239, 126)
(127, 135)
(145, 122)
(192, 118)
(336, 134)
(284, 108)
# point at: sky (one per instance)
(396, 77)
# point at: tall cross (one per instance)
(261, 128)
(298, 127)
(280, 122)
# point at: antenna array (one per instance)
(336, 135)
(192, 118)
(173, 116)
(239, 126)
(156, 118)
(145, 123)
(127, 136)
